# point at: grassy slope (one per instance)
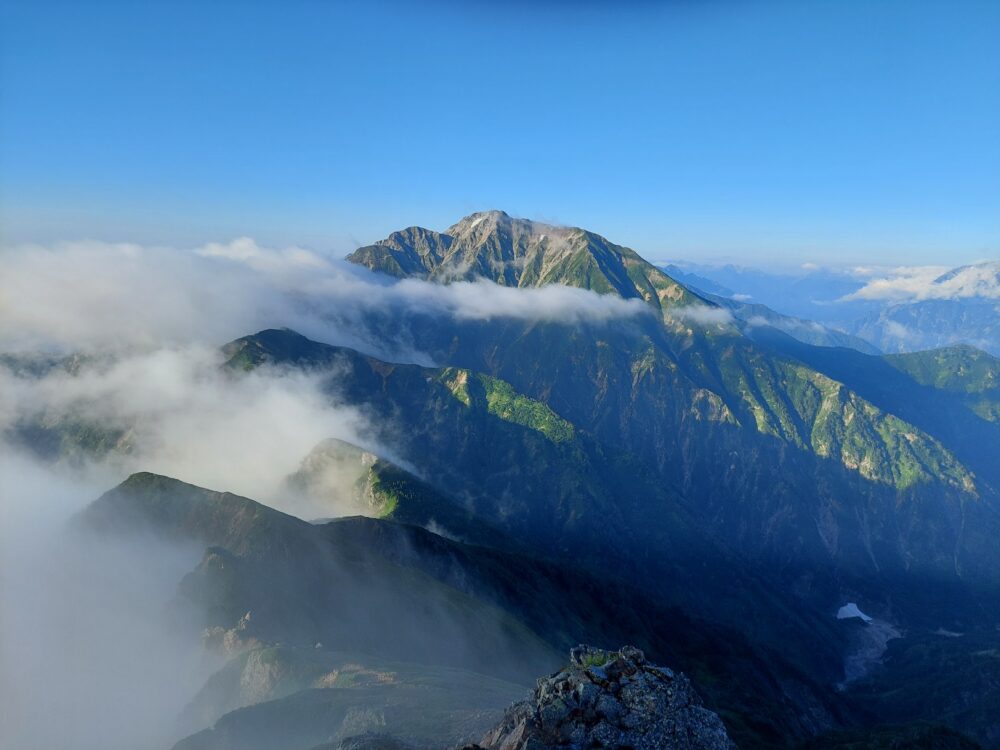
(964, 370)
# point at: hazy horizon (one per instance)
(805, 263)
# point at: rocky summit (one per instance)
(609, 699)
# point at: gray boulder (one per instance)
(609, 699)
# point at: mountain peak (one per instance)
(494, 215)
(522, 253)
(173, 509)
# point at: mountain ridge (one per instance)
(523, 253)
(394, 579)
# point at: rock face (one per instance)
(610, 699)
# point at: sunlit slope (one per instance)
(717, 370)
(950, 394)
(957, 369)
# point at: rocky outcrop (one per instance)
(609, 699)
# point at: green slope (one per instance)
(378, 487)
(964, 370)
(778, 398)
(947, 393)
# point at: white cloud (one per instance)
(83, 631)
(704, 315)
(916, 283)
(865, 271)
(484, 300)
(154, 317)
(900, 332)
(246, 250)
(87, 295)
(188, 418)
(93, 296)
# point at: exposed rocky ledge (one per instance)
(609, 699)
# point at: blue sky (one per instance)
(760, 131)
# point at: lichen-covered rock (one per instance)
(609, 699)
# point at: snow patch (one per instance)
(867, 646)
(850, 610)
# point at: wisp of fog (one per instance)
(122, 342)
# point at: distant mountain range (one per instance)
(895, 310)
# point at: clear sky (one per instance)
(755, 130)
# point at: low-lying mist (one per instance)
(110, 364)
(87, 296)
(177, 411)
(90, 656)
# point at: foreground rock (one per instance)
(609, 699)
